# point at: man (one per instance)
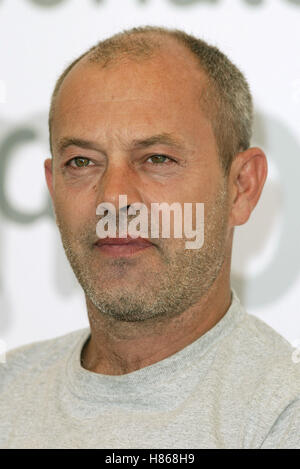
(171, 358)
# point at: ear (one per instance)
(49, 175)
(247, 176)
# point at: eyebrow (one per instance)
(163, 139)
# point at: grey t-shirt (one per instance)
(236, 386)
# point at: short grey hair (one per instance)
(227, 99)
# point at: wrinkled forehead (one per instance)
(172, 74)
(164, 91)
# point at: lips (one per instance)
(122, 247)
(142, 242)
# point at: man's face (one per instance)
(115, 108)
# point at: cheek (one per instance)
(74, 210)
(195, 188)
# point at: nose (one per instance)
(119, 179)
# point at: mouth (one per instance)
(122, 247)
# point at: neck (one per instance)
(119, 347)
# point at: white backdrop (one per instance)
(39, 296)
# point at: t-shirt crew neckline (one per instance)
(85, 383)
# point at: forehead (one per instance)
(160, 91)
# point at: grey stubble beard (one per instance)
(184, 277)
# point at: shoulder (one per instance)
(275, 353)
(285, 432)
(260, 369)
(253, 341)
(266, 344)
(37, 356)
(265, 366)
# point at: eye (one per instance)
(79, 161)
(160, 159)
